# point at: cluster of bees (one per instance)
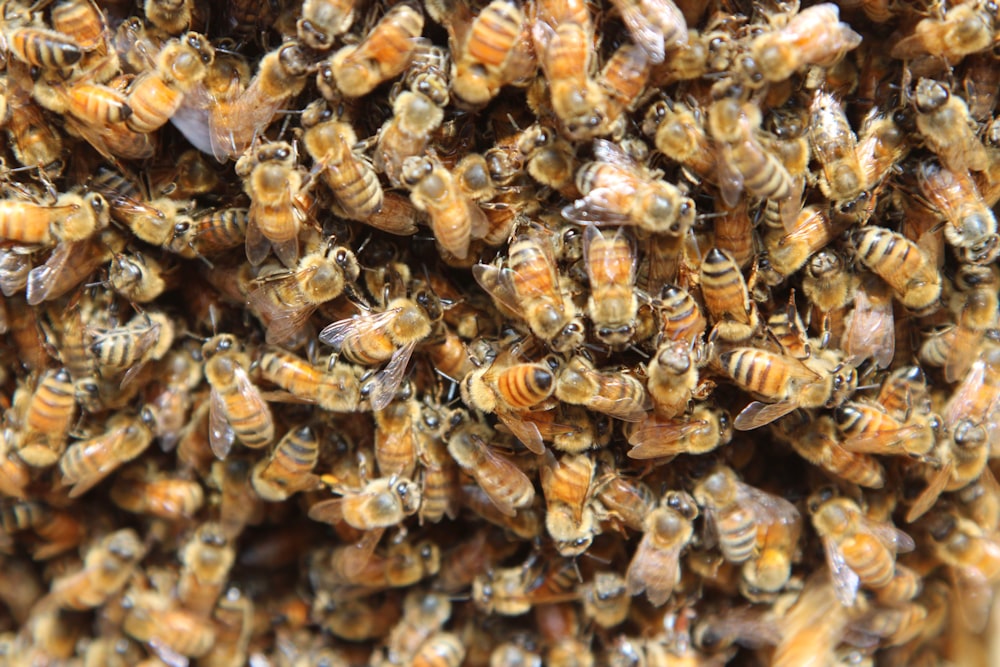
(499, 333)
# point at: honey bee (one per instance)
(138, 277)
(605, 599)
(239, 504)
(513, 591)
(790, 247)
(901, 264)
(416, 115)
(882, 145)
(506, 485)
(976, 310)
(529, 287)
(170, 631)
(156, 95)
(281, 75)
(206, 559)
(455, 218)
(441, 649)
(947, 128)
(836, 147)
(971, 223)
(336, 390)
(38, 47)
(74, 217)
(211, 232)
(656, 26)
(233, 616)
(273, 182)
(94, 105)
(859, 550)
(86, 463)
(814, 36)
(147, 336)
(817, 441)
(140, 489)
(170, 16)
(569, 519)
(57, 530)
(237, 409)
(612, 304)
(288, 468)
(382, 55)
(868, 330)
(617, 394)
(34, 142)
(618, 191)
(701, 432)
(727, 298)
(423, 615)
(961, 30)
(680, 317)
(322, 20)
(667, 530)
(679, 133)
(977, 397)
(814, 625)
(403, 564)
(495, 51)
(961, 544)
(107, 566)
(620, 499)
(46, 417)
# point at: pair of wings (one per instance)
(221, 435)
(846, 581)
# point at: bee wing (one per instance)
(387, 380)
(758, 414)
(221, 435)
(648, 36)
(845, 580)
(654, 571)
(526, 431)
(168, 655)
(730, 180)
(600, 206)
(498, 284)
(102, 451)
(612, 153)
(257, 245)
(961, 355)
(623, 409)
(356, 327)
(930, 494)
(890, 536)
(768, 508)
(283, 320)
(880, 442)
(355, 557)
(42, 280)
(967, 394)
(974, 595)
(655, 438)
(504, 469)
(870, 332)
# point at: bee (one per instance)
(455, 218)
(441, 649)
(678, 131)
(57, 530)
(138, 277)
(701, 432)
(74, 217)
(667, 530)
(787, 382)
(970, 222)
(381, 55)
(836, 147)
(239, 504)
(87, 462)
(107, 566)
(234, 624)
(743, 162)
(494, 52)
(372, 338)
(237, 409)
(813, 626)
(46, 417)
(548, 158)
(285, 299)
(901, 264)
(966, 547)
(94, 105)
(656, 26)
(273, 182)
(156, 95)
(618, 191)
(322, 20)
(567, 485)
(960, 31)
(529, 287)
(337, 389)
(605, 599)
(947, 128)
(882, 145)
(170, 16)
(513, 591)
(827, 282)
(817, 441)
(34, 142)
(506, 485)
(211, 232)
(869, 331)
(403, 564)
(859, 550)
(416, 115)
(680, 317)
(141, 489)
(814, 36)
(146, 337)
(612, 304)
(727, 298)
(281, 75)
(206, 559)
(396, 437)
(977, 397)
(39, 47)
(288, 468)
(976, 310)
(619, 395)
(171, 631)
(621, 500)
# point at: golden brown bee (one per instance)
(138, 277)
(882, 144)
(506, 485)
(962, 30)
(836, 148)
(623, 79)
(605, 599)
(827, 282)
(901, 264)
(657, 437)
(814, 625)
(273, 183)
(87, 462)
(288, 468)
(512, 591)
(617, 190)
(141, 489)
(621, 500)
(975, 306)
(396, 437)
(612, 304)
(416, 115)
(970, 222)
(817, 441)
(154, 618)
(56, 530)
(403, 564)
(963, 545)
(170, 16)
(814, 36)
(441, 649)
(156, 95)
(322, 20)
(382, 55)
(529, 286)
(667, 530)
(94, 105)
(206, 559)
(867, 429)
(656, 26)
(281, 75)
(494, 52)
(211, 232)
(679, 133)
(869, 331)
(548, 157)
(239, 504)
(34, 142)
(727, 298)
(40, 47)
(455, 218)
(680, 317)
(790, 246)
(567, 485)
(786, 382)
(858, 549)
(74, 217)
(107, 566)
(947, 128)
(147, 336)
(46, 414)
(618, 394)
(237, 410)
(337, 389)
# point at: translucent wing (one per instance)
(257, 245)
(654, 571)
(931, 492)
(328, 511)
(871, 332)
(656, 438)
(600, 206)
(387, 380)
(642, 30)
(526, 431)
(356, 327)
(358, 555)
(498, 285)
(845, 580)
(758, 414)
(221, 435)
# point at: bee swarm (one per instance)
(512, 333)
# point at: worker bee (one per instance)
(727, 298)
(612, 304)
(974, 303)
(396, 437)
(211, 232)
(107, 566)
(206, 559)
(787, 382)
(567, 485)
(505, 484)
(901, 264)
(86, 463)
(381, 55)
(138, 277)
(868, 429)
(961, 30)
(814, 625)
(416, 115)
(859, 550)
(679, 133)
(971, 223)
(966, 547)
(529, 287)
(605, 599)
(512, 591)
(836, 147)
(350, 176)
(618, 191)
(495, 51)
(74, 217)
(288, 468)
(146, 337)
(56, 530)
(322, 20)
(285, 299)
(170, 16)
(667, 530)
(272, 182)
(814, 36)
(656, 26)
(617, 394)
(337, 389)
(455, 218)
(39, 47)
(944, 121)
(702, 431)
(46, 414)
(817, 441)
(157, 94)
(141, 489)
(237, 410)
(171, 631)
